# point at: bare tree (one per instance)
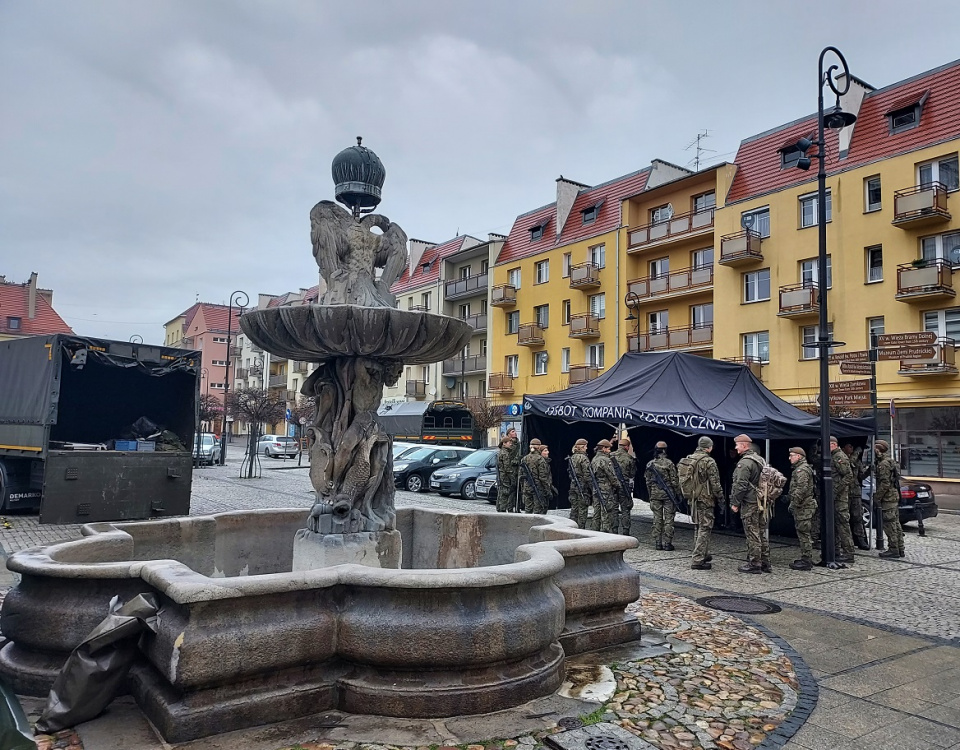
(209, 408)
(304, 409)
(255, 407)
(485, 413)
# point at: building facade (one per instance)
(26, 310)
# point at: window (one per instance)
(483, 307)
(756, 346)
(809, 269)
(945, 323)
(565, 312)
(704, 202)
(659, 268)
(513, 321)
(589, 214)
(874, 264)
(542, 272)
(756, 285)
(540, 363)
(219, 363)
(598, 306)
(905, 118)
(702, 258)
(598, 255)
(536, 232)
(482, 388)
(660, 214)
(222, 340)
(463, 311)
(761, 221)
(875, 327)
(511, 364)
(871, 189)
(943, 170)
(701, 316)
(483, 347)
(789, 156)
(465, 272)
(595, 355)
(13, 323)
(425, 300)
(513, 277)
(566, 265)
(808, 210)
(542, 313)
(658, 321)
(464, 390)
(217, 386)
(565, 360)
(941, 246)
(425, 373)
(809, 336)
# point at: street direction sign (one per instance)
(906, 352)
(857, 399)
(917, 338)
(849, 386)
(838, 357)
(856, 368)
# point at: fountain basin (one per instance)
(478, 618)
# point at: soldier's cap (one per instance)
(742, 438)
(882, 446)
(604, 444)
(624, 440)
(581, 441)
(705, 442)
(535, 441)
(661, 445)
(799, 451)
(543, 447)
(833, 439)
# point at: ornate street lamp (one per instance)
(234, 298)
(834, 119)
(136, 339)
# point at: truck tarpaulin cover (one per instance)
(686, 394)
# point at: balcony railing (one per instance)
(740, 248)
(478, 321)
(301, 366)
(584, 276)
(584, 326)
(681, 281)
(466, 365)
(530, 334)
(943, 362)
(291, 395)
(583, 373)
(241, 373)
(690, 224)
(417, 388)
(920, 204)
(752, 363)
(691, 337)
(504, 295)
(799, 301)
(468, 287)
(418, 308)
(277, 381)
(500, 382)
(924, 280)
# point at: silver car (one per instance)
(206, 449)
(277, 445)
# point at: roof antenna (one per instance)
(700, 149)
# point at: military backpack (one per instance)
(690, 475)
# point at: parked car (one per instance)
(407, 448)
(486, 487)
(277, 445)
(914, 496)
(461, 478)
(413, 470)
(206, 449)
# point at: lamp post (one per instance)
(835, 119)
(136, 339)
(632, 301)
(235, 297)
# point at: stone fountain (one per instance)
(279, 614)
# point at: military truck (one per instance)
(68, 447)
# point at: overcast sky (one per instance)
(156, 153)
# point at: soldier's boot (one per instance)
(801, 565)
(844, 558)
(749, 568)
(701, 566)
(860, 543)
(659, 545)
(708, 558)
(890, 553)
(668, 547)
(765, 567)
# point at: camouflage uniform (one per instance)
(580, 499)
(540, 469)
(702, 506)
(887, 497)
(803, 506)
(604, 507)
(856, 502)
(842, 479)
(628, 467)
(660, 502)
(508, 466)
(743, 495)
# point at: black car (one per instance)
(413, 469)
(486, 487)
(914, 497)
(461, 479)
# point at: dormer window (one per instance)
(590, 213)
(537, 230)
(789, 156)
(13, 324)
(905, 113)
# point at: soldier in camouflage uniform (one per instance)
(535, 500)
(660, 502)
(508, 466)
(605, 505)
(842, 479)
(856, 501)
(580, 497)
(744, 497)
(803, 506)
(627, 462)
(702, 504)
(888, 497)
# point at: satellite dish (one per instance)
(543, 356)
(747, 220)
(431, 391)
(955, 256)
(668, 211)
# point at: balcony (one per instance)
(301, 366)
(418, 308)
(583, 373)
(478, 322)
(680, 226)
(673, 283)
(584, 276)
(690, 338)
(465, 365)
(751, 363)
(799, 301)
(241, 374)
(500, 382)
(943, 362)
(471, 286)
(584, 326)
(253, 348)
(920, 205)
(530, 334)
(740, 248)
(291, 395)
(925, 280)
(417, 388)
(277, 381)
(504, 295)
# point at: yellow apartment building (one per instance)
(893, 243)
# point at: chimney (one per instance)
(566, 194)
(32, 296)
(850, 102)
(494, 237)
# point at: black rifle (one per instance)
(678, 503)
(529, 477)
(621, 478)
(596, 488)
(575, 480)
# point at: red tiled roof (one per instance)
(758, 160)
(14, 303)
(608, 196)
(432, 257)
